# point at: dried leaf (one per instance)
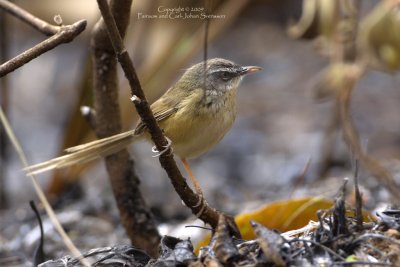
(270, 243)
(283, 215)
(330, 80)
(319, 18)
(379, 38)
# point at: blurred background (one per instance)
(279, 128)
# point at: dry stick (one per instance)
(65, 35)
(136, 216)
(358, 198)
(351, 137)
(191, 199)
(205, 54)
(57, 225)
(346, 52)
(30, 19)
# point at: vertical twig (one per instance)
(358, 197)
(346, 51)
(39, 252)
(135, 215)
(205, 53)
(4, 100)
(339, 226)
(350, 133)
(351, 13)
(351, 136)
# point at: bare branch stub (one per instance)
(191, 199)
(65, 35)
(136, 217)
(89, 115)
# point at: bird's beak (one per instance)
(250, 69)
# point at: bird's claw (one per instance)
(202, 203)
(166, 147)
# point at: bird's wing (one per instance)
(162, 109)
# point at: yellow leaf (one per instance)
(280, 215)
(283, 215)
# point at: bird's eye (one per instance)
(225, 75)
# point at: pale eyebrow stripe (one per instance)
(221, 70)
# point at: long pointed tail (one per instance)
(86, 152)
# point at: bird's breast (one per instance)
(198, 126)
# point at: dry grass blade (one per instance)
(57, 225)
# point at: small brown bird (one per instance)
(195, 114)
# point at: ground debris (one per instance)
(271, 244)
(390, 219)
(320, 244)
(173, 252)
(107, 256)
(336, 239)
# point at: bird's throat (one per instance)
(215, 101)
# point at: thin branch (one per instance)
(65, 35)
(190, 198)
(30, 19)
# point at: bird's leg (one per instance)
(185, 164)
(194, 180)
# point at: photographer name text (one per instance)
(180, 13)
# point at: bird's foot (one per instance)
(202, 203)
(166, 147)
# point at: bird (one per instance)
(194, 114)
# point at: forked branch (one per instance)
(59, 35)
